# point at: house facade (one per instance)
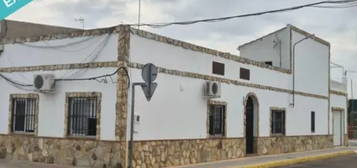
(267, 101)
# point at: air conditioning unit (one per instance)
(213, 89)
(44, 82)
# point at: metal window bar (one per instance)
(278, 122)
(24, 115)
(82, 116)
(217, 117)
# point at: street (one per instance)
(349, 161)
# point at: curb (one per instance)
(296, 160)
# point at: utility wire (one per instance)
(336, 6)
(14, 82)
(97, 77)
(20, 85)
(218, 19)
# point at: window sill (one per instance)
(22, 133)
(82, 137)
(277, 135)
(216, 137)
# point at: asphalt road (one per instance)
(349, 161)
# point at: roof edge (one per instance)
(262, 37)
(58, 36)
(305, 33)
(197, 48)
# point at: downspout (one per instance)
(329, 89)
(294, 46)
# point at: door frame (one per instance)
(342, 115)
(255, 122)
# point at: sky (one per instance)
(338, 26)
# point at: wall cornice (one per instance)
(335, 92)
(227, 81)
(56, 36)
(56, 67)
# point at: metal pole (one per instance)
(294, 46)
(351, 88)
(131, 141)
(130, 159)
(139, 14)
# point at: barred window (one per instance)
(278, 122)
(82, 116)
(217, 120)
(24, 114)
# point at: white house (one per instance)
(209, 105)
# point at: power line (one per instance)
(21, 85)
(336, 6)
(14, 82)
(98, 77)
(159, 25)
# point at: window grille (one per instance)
(82, 114)
(217, 120)
(278, 122)
(24, 115)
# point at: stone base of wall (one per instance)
(147, 154)
(288, 144)
(75, 152)
(168, 153)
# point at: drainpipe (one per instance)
(294, 46)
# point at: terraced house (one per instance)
(65, 98)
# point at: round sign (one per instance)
(149, 73)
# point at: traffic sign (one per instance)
(149, 74)
(149, 90)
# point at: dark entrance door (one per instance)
(249, 127)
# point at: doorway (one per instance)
(337, 123)
(251, 124)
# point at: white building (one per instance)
(84, 120)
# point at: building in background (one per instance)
(65, 98)
(352, 119)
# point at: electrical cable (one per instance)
(97, 77)
(21, 85)
(58, 46)
(14, 82)
(336, 6)
(160, 25)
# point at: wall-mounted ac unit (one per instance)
(44, 82)
(213, 89)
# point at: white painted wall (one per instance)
(52, 106)
(85, 49)
(171, 57)
(311, 65)
(178, 109)
(266, 50)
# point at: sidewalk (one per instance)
(277, 160)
